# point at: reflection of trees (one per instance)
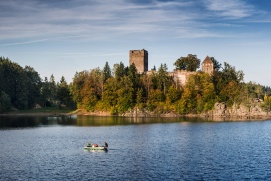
(83, 120)
(35, 121)
(22, 121)
(118, 120)
(98, 121)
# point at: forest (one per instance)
(121, 89)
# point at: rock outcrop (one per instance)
(145, 113)
(219, 109)
(253, 110)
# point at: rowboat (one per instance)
(96, 148)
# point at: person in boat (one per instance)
(89, 145)
(95, 145)
(105, 145)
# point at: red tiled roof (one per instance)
(207, 60)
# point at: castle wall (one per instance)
(140, 59)
(181, 76)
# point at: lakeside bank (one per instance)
(210, 116)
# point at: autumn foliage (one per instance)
(157, 91)
(123, 89)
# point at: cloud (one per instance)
(23, 43)
(42, 40)
(39, 21)
(232, 9)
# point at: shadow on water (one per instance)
(34, 121)
(83, 120)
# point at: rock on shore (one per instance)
(254, 110)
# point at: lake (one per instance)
(51, 148)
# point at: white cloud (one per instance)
(233, 9)
(41, 20)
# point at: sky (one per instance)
(68, 36)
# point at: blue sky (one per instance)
(62, 37)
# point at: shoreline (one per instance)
(166, 115)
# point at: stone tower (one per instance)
(140, 59)
(208, 65)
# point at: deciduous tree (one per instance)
(189, 63)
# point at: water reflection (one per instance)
(82, 120)
(14, 121)
(142, 151)
(117, 120)
(34, 121)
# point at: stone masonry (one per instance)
(208, 65)
(140, 59)
(182, 76)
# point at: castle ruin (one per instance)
(208, 65)
(182, 76)
(140, 59)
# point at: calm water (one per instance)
(51, 148)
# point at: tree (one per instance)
(13, 82)
(106, 72)
(77, 85)
(259, 91)
(189, 63)
(89, 95)
(139, 98)
(119, 71)
(228, 78)
(230, 74)
(96, 76)
(146, 81)
(217, 65)
(53, 89)
(206, 92)
(229, 92)
(155, 97)
(125, 95)
(188, 102)
(267, 103)
(132, 72)
(110, 95)
(33, 83)
(5, 104)
(63, 92)
(198, 95)
(163, 80)
(134, 78)
(173, 94)
(45, 92)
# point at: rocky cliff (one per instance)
(253, 110)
